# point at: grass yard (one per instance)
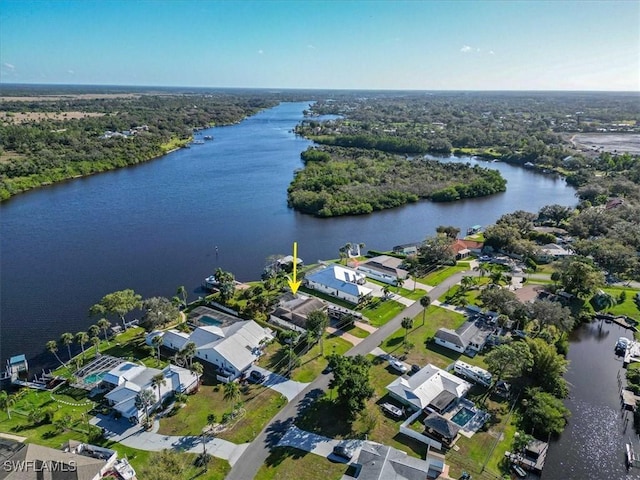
(260, 403)
(425, 351)
(286, 463)
(380, 312)
(435, 278)
(628, 307)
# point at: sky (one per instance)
(335, 44)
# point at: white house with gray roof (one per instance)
(340, 282)
(384, 268)
(430, 387)
(232, 349)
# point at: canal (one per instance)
(593, 444)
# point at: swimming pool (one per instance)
(207, 320)
(95, 377)
(463, 416)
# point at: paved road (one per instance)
(248, 464)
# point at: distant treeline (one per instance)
(40, 152)
(339, 181)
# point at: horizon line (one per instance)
(332, 89)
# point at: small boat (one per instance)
(124, 469)
(517, 469)
(208, 137)
(198, 142)
(621, 345)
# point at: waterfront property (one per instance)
(127, 380)
(532, 458)
(231, 350)
(292, 311)
(340, 282)
(385, 269)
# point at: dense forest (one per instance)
(349, 181)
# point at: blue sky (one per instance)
(425, 45)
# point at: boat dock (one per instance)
(631, 354)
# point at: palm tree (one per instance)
(157, 381)
(52, 346)
(188, 352)
(145, 399)
(407, 323)
(94, 330)
(198, 369)
(231, 393)
(399, 283)
(157, 342)
(67, 339)
(6, 402)
(182, 294)
(291, 357)
(104, 324)
(425, 302)
(386, 290)
(467, 282)
(82, 338)
(96, 343)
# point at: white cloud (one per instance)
(9, 66)
(71, 72)
(260, 52)
(311, 47)
(491, 52)
(466, 49)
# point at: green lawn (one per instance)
(425, 351)
(435, 278)
(260, 403)
(380, 311)
(628, 307)
(286, 463)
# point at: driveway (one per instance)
(288, 388)
(313, 443)
(135, 436)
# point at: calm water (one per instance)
(155, 226)
(592, 445)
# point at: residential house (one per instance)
(340, 282)
(431, 387)
(406, 249)
(551, 252)
(385, 269)
(445, 337)
(292, 312)
(122, 398)
(75, 462)
(376, 462)
(471, 337)
(231, 349)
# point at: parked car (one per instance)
(392, 410)
(415, 368)
(344, 450)
(398, 365)
(465, 476)
(256, 377)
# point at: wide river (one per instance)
(156, 226)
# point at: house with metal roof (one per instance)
(376, 462)
(231, 349)
(384, 268)
(340, 282)
(431, 387)
(445, 337)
